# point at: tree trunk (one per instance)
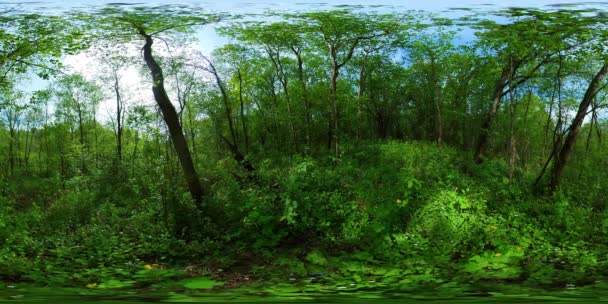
(118, 119)
(95, 139)
(275, 57)
(512, 146)
(305, 100)
(192, 134)
(437, 99)
(592, 124)
(234, 147)
(359, 98)
(547, 124)
(484, 133)
(333, 101)
(80, 123)
(11, 154)
(172, 121)
(26, 150)
(566, 150)
(134, 154)
(275, 106)
(47, 143)
(292, 128)
(82, 140)
(243, 119)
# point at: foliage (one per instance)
(398, 203)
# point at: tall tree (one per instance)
(112, 68)
(342, 32)
(147, 24)
(518, 60)
(78, 99)
(563, 154)
(430, 52)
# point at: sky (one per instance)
(256, 6)
(208, 40)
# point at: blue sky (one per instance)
(248, 6)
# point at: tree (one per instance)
(13, 108)
(519, 60)
(113, 67)
(563, 155)
(278, 41)
(233, 144)
(147, 24)
(236, 59)
(30, 41)
(78, 100)
(342, 32)
(432, 51)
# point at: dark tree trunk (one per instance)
(512, 143)
(360, 97)
(275, 57)
(563, 155)
(172, 121)
(80, 123)
(243, 118)
(437, 100)
(118, 119)
(305, 99)
(11, 155)
(192, 135)
(592, 124)
(234, 147)
(227, 110)
(484, 132)
(333, 101)
(28, 146)
(82, 140)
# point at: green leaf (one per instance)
(201, 283)
(116, 284)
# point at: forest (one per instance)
(345, 149)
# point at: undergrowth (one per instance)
(395, 215)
